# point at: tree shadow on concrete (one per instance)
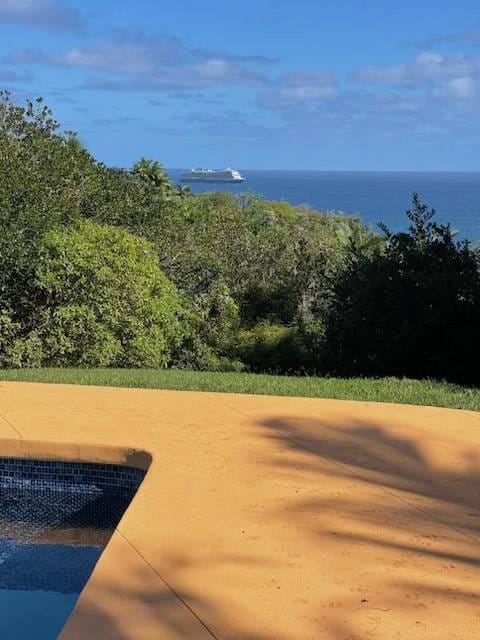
(152, 610)
(394, 463)
(361, 486)
(414, 512)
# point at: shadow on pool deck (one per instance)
(395, 464)
(431, 516)
(155, 613)
(416, 523)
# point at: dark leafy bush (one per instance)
(412, 309)
(272, 348)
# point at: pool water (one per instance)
(55, 520)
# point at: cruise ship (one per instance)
(212, 175)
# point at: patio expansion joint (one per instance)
(168, 585)
(11, 426)
(355, 474)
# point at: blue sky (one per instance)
(311, 84)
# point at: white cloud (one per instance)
(427, 68)
(463, 88)
(299, 88)
(49, 15)
(159, 62)
(213, 69)
(449, 105)
(124, 53)
(433, 92)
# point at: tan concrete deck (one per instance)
(267, 518)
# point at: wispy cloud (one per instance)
(135, 62)
(471, 36)
(229, 123)
(428, 92)
(50, 15)
(26, 56)
(463, 88)
(428, 67)
(126, 53)
(234, 57)
(431, 94)
(6, 75)
(114, 123)
(301, 87)
(212, 73)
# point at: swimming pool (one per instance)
(55, 520)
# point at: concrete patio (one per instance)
(267, 518)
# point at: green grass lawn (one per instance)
(402, 391)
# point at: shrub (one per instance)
(102, 300)
(411, 310)
(210, 324)
(273, 348)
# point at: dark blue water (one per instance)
(50, 541)
(375, 196)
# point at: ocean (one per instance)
(376, 196)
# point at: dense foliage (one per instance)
(412, 309)
(103, 298)
(109, 267)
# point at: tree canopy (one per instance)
(120, 267)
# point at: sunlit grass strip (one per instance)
(402, 391)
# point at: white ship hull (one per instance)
(212, 175)
(208, 179)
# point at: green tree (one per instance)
(152, 172)
(101, 300)
(412, 309)
(45, 181)
(273, 348)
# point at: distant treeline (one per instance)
(113, 268)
